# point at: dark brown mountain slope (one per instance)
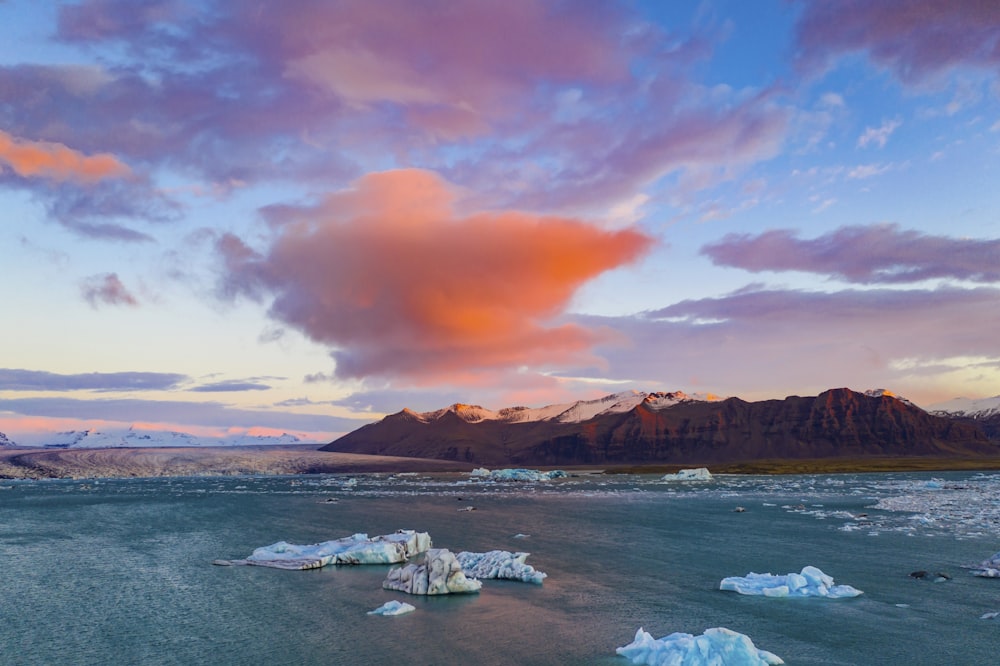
(836, 423)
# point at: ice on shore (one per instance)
(355, 549)
(393, 608)
(714, 647)
(811, 582)
(696, 474)
(516, 474)
(988, 568)
(440, 573)
(499, 564)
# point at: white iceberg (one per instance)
(499, 564)
(811, 582)
(697, 474)
(393, 608)
(355, 549)
(988, 568)
(713, 648)
(517, 474)
(439, 574)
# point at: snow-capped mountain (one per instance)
(5, 441)
(133, 438)
(569, 412)
(645, 428)
(980, 408)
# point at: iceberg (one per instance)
(499, 564)
(811, 582)
(439, 574)
(393, 608)
(714, 647)
(697, 474)
(355, 549)
(988, 568)
(516, 474)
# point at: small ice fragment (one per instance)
(393, 608)
(811, 582)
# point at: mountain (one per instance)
(5, 442)
(984, 413)
(136, 438)
(672, 428)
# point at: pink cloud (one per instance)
(107, 289)
(399, 284)
(56, 161)
(759, 343)
(916, 39)
(881, 253)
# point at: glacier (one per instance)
(355, 549)
(440, 573)
(393, 608)
(696, 474)
(811, 582)
(516, 474)
(499, 564)
(714, 647)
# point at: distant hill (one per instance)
(984, 413)
(673, 428)
(140, 438)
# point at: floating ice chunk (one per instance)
(990, 616)
(393, 608)
(439, 574)
(697, 474)
(811, 582)
(517, 474)
(355, 549)
(499, 564)
(714, 647)
(988, 568)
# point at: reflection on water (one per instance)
(119, 571)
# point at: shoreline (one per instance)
(291, 460)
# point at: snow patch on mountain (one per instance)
(570, 412)
(879, 393)
(976, 408)
(4, 441)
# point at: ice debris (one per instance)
(355, 549)
(988, 568)
(499, 564)
(439, 574)
(715, 646)
(393, 608)
(516, 474)
(697, 474)
(811, 582)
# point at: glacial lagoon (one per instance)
(120, 571)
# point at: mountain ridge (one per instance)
(647, 428)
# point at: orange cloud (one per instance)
(56, 161)
(400, 284)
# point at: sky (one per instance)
(259, 217)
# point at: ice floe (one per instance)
(393, 608)
(714, 647)
(440, 573)
(499, 564)
(811, 582)
(516, 474)
(988, 568)
(696, 474)
(355, 549)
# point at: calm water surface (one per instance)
(119, 571)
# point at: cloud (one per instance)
(881, 253)
(878, 136)
(107, 289)
(56, 161)
(210, 414)
(229, 386)
(12, 379)
(917, 40)
(398, 283)
(775, 340)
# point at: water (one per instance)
(119, 571)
